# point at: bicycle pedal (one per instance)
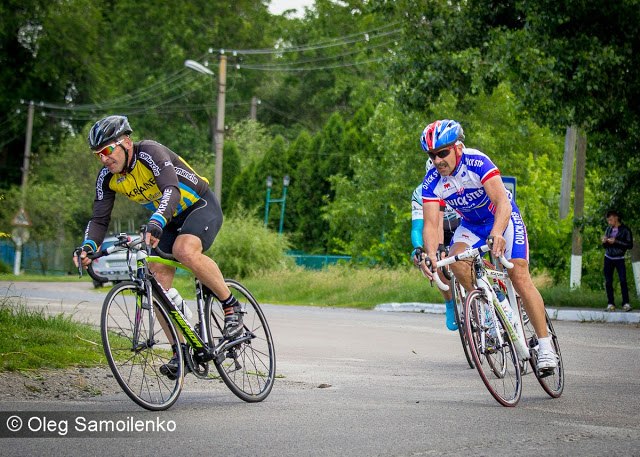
(545, 372)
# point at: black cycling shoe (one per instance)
(170, 369)
(233, 325)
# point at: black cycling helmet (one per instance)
(108, 129)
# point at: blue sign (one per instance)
(510, 184)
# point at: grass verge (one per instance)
(341, 287)
(30, 339)
(365, 288)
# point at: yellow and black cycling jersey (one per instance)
(157, 178)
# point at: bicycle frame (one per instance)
(198, 341)
(483, 277)
(516, 333)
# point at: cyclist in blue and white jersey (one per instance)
(468, 181)
(447, 223)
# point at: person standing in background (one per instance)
(616, 241)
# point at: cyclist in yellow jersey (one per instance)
(186, 215)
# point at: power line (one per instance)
(146, 98)
(326, 67)
(313, 60)
(339, 41)
(134, 99)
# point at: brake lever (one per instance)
(77, 253)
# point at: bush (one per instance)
(245, 247)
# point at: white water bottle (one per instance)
(177, 299)
(506, 307)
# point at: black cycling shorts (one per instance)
(203, 219)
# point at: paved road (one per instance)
(393, 384)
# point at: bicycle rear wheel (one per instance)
(135, 351)
(249, 366)
(496, 363)
(553, 384)
(459, 315)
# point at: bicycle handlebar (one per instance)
(120, 245)
(469, 253)
(124, 243)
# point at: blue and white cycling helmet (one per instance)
(441, 134)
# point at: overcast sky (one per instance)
(278, 6)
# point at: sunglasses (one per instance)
(107, 150)
(440, 154)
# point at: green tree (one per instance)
(332, 60)
(570, 63)
(252, 139)
(375, 203)
(35, 38)
(230, 172)
(296, 195)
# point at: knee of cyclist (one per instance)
(459, 268)
(186, 257)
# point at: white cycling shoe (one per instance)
(547, 361)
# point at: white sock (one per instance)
(545, 343)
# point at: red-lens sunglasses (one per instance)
(107, 150)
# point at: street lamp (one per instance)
(285, 181)
(219, 131)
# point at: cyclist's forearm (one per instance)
(430, 232)
(501, 221)
(417, 226)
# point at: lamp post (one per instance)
(219, 131)
(285, 181)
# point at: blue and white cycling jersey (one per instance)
(463, 190)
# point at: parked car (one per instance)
(112, 267)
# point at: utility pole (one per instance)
(27, 155)
(20, 222)
(253, 114)
(578, 212)
(219, 134)
(567, 171)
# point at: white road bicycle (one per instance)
(500, 347)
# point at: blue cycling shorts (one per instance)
(515, 234)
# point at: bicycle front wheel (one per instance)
(249, 367)
(496, 362)
(137, 347)
(458, 298)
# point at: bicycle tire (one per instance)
(249, 368)
(505, 384)
(552, 384)
(459, 316)
(134, 355)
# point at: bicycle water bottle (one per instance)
(504, 304)
(177, 299)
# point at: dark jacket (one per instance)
(624, 241)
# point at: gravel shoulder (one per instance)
(57, 384)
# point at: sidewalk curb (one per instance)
(575, 315)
